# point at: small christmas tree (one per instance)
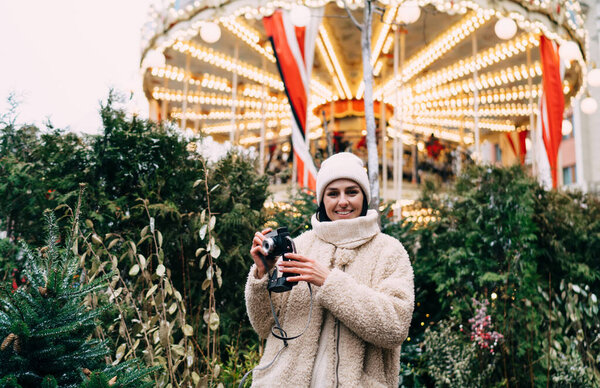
(46, 330)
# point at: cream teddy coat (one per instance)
(369, 294)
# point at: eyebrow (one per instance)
(347, 188)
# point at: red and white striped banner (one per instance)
(294, 51)
(552, 104)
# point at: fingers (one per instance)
(298, 279)
(297, 257)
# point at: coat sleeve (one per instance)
(258, 306)
(380, 314)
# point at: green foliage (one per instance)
(295, 214)
(497, 234)
(453, 361)
(239, 362)
(135, 159)
(45, 326)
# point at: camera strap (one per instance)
(282, 333)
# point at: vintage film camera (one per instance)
(275, 244)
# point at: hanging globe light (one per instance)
(299, 15)
(569, 51)
(567, 127)
(210, 32)
(154, 59)
(589, 105)
(505, 28)
(409, 12)
(594, 77)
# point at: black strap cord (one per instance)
(277, 327)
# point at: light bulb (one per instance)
(569, 51)
(594, 77)
(210, 32)
(299, 15)
(589, 105)
(505, 28)
(155, 59)
(409, 12)
(567, 127)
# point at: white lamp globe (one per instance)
(589, 105)
(505, 28)
(210, 32)
(569, 51)
(567, 127)
(409, 12)
(155, 59)
(594, 77)
(299, 15)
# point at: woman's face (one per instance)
(343, 200)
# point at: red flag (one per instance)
(522, 145)
(290, 45)
(553, 103)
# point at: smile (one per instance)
(344, 212)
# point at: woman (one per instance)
(362, 283)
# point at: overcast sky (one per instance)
(62, 56)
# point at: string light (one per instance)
(484, 81)
(228, 63)
(515, 93)
(248, 35)
(165, 94)
(482, 60)
(493, 110)
(493, 125)
(339, 73)
(440, 133)
(225, 114)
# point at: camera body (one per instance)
(275, 244)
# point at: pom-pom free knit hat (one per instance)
(344, 165)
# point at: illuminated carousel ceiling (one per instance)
(435, 87)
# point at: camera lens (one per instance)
(268, 246)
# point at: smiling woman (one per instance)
(363, 287)
(343, 200)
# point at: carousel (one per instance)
(449, 78)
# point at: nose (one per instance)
(343, 200)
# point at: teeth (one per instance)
(344, 213)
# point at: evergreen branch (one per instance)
(87, 288)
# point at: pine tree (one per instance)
(46, 330)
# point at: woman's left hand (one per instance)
(309, 270)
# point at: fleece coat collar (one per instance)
(347, 234)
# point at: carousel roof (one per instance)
(452, 53)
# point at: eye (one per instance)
(332, 193)
(352, 192)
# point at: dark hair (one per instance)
(322, 213)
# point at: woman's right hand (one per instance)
(256, 252)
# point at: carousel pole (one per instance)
(476, 100)
(261, 165)
(234, 86)
(164, 106)
(397, 114)
(401, 110)
(186, 88)
(532, 128)
(332, 129)
(384, 175)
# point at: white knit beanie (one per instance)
(344, 165)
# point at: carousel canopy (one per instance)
(458, 65)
